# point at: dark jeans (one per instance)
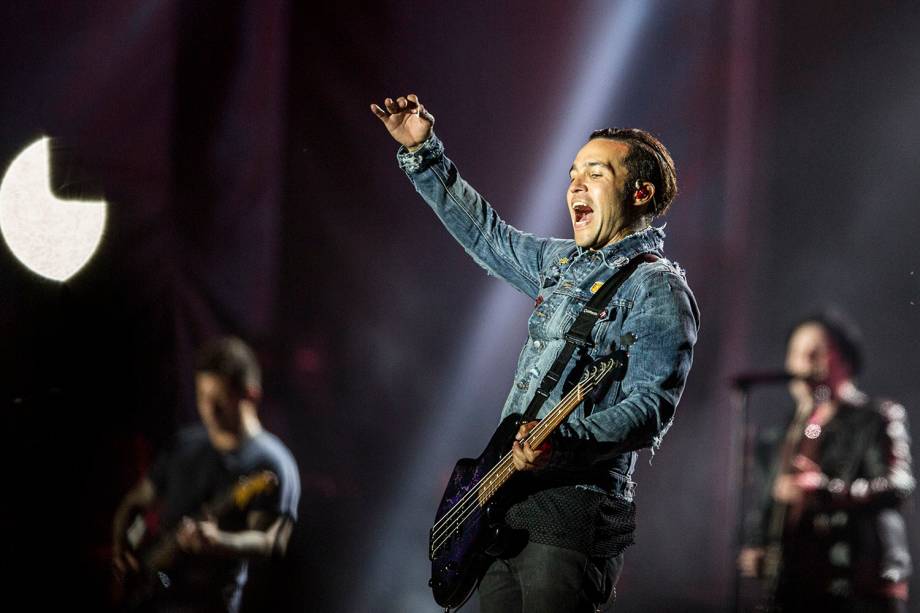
(547, 579)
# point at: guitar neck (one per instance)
(163, 552)
(560, 412)
(536, 437)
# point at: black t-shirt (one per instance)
(190, 473)
(594, 523)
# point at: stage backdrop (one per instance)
(251, 191)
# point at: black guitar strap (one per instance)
(579, 334)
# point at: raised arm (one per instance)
(498, 247)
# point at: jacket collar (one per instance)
(650, 239)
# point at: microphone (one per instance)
(764, 377)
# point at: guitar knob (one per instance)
(164, 579)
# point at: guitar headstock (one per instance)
(600, 369)
(251, 486)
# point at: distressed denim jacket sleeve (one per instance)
(498, 247)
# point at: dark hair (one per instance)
(844, 334)
(647, 160)
(231, 358)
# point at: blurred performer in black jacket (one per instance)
(831, 536)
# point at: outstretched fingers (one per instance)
(391, 105)
(402, 104)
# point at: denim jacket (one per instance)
(654, 304)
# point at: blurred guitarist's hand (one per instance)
(139, 498)
(123, 562)
(750, 561)
(199, 537)
(526, 458)
(792, 488)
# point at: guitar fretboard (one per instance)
(479, 495)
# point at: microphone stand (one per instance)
(741, 452)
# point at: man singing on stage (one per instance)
(830, 535)
(579, 515)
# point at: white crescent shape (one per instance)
(54, 238)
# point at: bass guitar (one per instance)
(468, 531)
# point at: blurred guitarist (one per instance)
(203, 464)
(831, 536)
(579, 514)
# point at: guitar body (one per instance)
(469, 530)
(157, 555)
(158, 552)
(466, 548)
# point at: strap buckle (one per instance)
(578, 340)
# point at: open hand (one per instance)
(406, 119)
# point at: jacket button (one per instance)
(538, 344)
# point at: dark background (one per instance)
(252, 192)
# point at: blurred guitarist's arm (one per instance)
(267, 536)
(138, 499)
(887, 460)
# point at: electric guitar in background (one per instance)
(159, 553)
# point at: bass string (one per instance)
(469, 512)
(497, 476)
(558, 415)
(474, 499)
(473, 494)
(504, 468)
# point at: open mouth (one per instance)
(582, 214)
